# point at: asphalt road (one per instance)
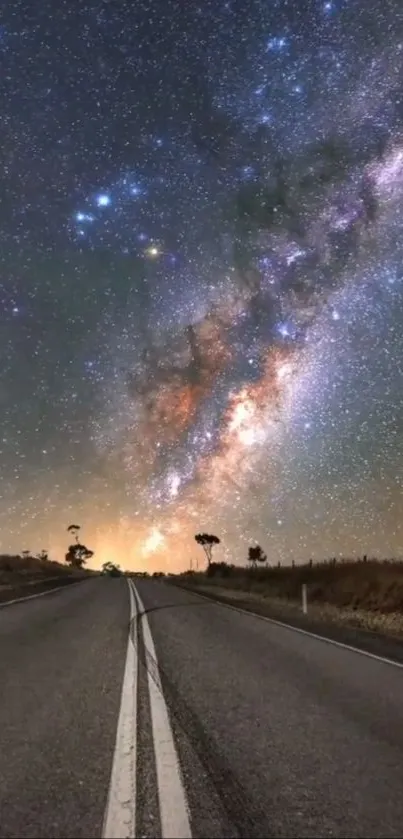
(225, 725)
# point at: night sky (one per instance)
(201, 279)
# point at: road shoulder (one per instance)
(374, 643)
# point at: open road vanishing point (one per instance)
(144, 710)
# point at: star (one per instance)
(103, 200)
(153, 251)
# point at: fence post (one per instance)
(304, 599)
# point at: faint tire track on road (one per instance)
(225, 784)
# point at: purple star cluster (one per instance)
(201, 290)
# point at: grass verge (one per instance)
(21, 576)
(363, 594)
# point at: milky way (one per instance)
(201, 278)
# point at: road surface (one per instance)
(163, 714)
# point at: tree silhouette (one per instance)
(255, 555)
(77, 554)
(207, 542)
(111, 569)
(74, 529)
(43, 555)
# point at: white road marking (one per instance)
(39, 594)
(298, 629)
(120, 813)
(173, 805)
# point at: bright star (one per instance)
(103, 200)
(84, 217)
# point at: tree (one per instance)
(256, 554)
(77, 554)
(26, 554)
(74, 529)
(43, 555)
(207, 542)
(110, 569)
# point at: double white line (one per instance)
(120, 814)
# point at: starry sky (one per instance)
(201, 279)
